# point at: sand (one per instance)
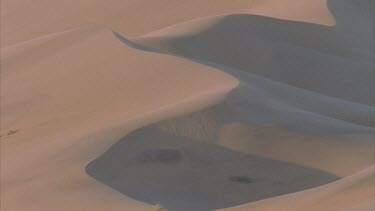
(307, 56)
(182, 173)
(187, 105)
(20, 19)
(74, 97)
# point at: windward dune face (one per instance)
(20, 19)
(254, 105)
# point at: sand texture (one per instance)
(137, 105)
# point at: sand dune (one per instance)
(70, 102)
(351, 193)
(187, 105)
(182, 173)
(294, 10)
(308, 56)
(20, 19)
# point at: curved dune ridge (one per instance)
(308, 56)
(168, 105)
(85, 96)
(21, 19)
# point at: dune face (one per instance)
(181, 173)
(308, 56)
(294, 10)
(194, 105)
(66, 98)
(352, 193)
(20, 19)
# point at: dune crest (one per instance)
(73, 95)
(192, 105)
(304, 55)
(21, 19)
(305, 11)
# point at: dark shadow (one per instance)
(314, 109)
(334, 61)
(183, 174)
(295, 76)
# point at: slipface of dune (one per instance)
(308, 56)
(69, 96)
(237, 105)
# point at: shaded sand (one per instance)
(70, 97)
(229, 126)
(181, 173)
(355, 192)
(177, 163)
(335, 61)
(206, 106)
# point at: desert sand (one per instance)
(255, 105)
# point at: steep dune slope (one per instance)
(308, 56)
(220, 109)
(69, 97)
(185, 173)
(324, 120)
(255, 135)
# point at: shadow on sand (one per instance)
(179, 173)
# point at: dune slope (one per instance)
(21, 19)
(308, 56)
(66, 98)
(187, 105)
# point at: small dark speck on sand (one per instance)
(241, 179)
(11, 132)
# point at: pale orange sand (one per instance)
(71, 97)
(202, 85)
(22, 20)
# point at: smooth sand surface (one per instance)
(351, 193)
(21, 19)
(309, 56)
(73, 96)
(294, 10)
(184, 173)
(253, 105)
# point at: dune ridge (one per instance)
(70, 125)
(323, 53)
(20, 19)
(102, 108)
